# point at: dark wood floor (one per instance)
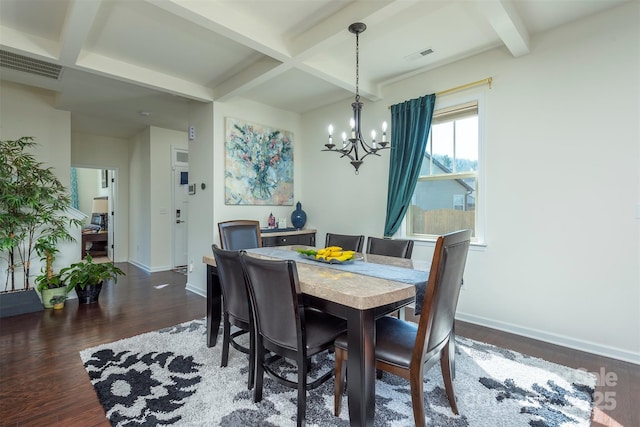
(43, 382)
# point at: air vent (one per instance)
(29, 65)
(418, 55)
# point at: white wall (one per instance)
(28, 112)
(562, 184)
(208, 207)
(140, 200)
(95, 151)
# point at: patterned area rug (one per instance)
(170, 377)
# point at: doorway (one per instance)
(92, 185)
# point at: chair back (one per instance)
(232, 283)
(443, 289)
(239, 234)
(276, 299)
(390, 247)
(345, 241)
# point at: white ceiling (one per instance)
(121, 57)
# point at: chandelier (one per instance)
(355, 147)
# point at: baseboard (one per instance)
(196, 290)
(142, 266)
(589, 347)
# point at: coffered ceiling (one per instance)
(123, 57)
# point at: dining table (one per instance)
(359, 291)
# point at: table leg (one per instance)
(214, 306)
(361, 367)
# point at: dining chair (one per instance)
(398, 248)
(409, 350)
(286, 327)
(236, 311)
(345, 241)
(240, 234)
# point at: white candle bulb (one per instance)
(384, 131)
(373, 139)
(330, 130)
(344, 139)
(352, 123)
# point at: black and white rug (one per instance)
(170, 377)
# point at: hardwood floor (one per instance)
(43, 382)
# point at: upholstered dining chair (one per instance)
(285, 327)
(398, 248)
(345, 241)
(236, 311)
(407, 349)
(240, 234)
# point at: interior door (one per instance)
(180, 206)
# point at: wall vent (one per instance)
(29, 65)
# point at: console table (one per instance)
(100, 241)
(285, 237)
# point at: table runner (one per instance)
(380, 271)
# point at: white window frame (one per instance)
(449, 101)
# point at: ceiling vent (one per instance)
(29, 65)
(418, 55)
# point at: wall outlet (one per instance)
(190, 267)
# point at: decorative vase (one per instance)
(89, 294)
(47, 294)
(298, 217)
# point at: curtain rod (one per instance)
(487, 81)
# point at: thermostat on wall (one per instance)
(192, 189)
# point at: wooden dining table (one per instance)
(355, 296)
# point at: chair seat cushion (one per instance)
(321, 328)
(395, 339)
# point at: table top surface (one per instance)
(347, 288)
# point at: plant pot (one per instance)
(47, 294)
(58, 306)
(89, 294)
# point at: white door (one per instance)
(180, 206)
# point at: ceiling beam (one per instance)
(76, 28)
(505, 20)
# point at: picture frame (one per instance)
(258, 164)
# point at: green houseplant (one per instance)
(49, 284)
(86, 277)
(33, 210)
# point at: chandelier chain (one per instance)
(357, 67)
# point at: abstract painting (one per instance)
(258, 164)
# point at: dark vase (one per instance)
(298, 217)
(89, 294)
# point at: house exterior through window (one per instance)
(445, 196)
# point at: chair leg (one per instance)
(259, 379)
(252, 359)
(226, 337)
(446, 366)
(302, 391)
(340, 371)
(417, 396)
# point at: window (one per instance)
(445, 196)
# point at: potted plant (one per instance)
(86, 277)
(58, 301)
(49, 284)
(33, 213)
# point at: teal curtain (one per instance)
(410, 125)
(74, 189)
